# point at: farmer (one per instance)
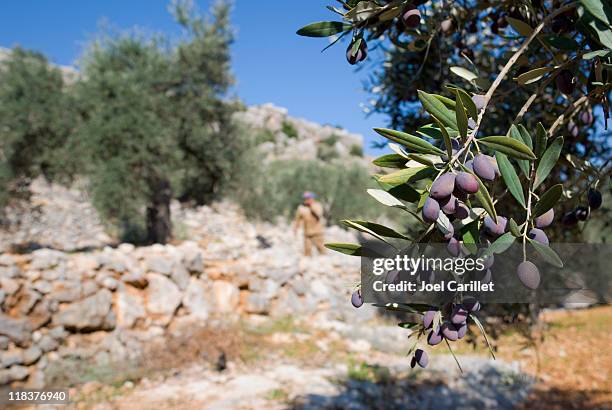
(310, 215)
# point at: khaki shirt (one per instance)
(311, 217)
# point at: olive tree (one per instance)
(480, 159)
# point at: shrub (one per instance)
(289, 130)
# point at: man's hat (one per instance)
(308, 195)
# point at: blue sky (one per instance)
(270, 62)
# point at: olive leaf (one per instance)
(446, 101)
(482, 195)
(461, 117)
(409, 141)
(510, 178)
(484, 333)
(508, 146)
(547, 253)
(463, 73)
(468, 103)
(446, 137)
(500, 245)
(346, 248)
(548, 161)
(376, 230)
(533, 75)
(541, 140)
(601, 9)
(523, 164)
(433, 131)
(407, 175)
(525, 136)
(436, 108)
(390, 161)
(405, 193)
(324, 29)
(520, 27)
(385, 198)
(548, 200)
(514, 228)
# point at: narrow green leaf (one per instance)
(409, 141)
(436, 108)
(510, 146)
(597, 53)
(464, 73)
(453, 354)
(484, 333)
(377, 230)
(483, 195)
(446, 137)
(390, 161)
(533, 75)
(405, 193)
(468, 103)
(541, 140)
(385, 198)
(461, 117)
(548, 161)
(548, 200)
(510, 178)
(523, 164)
(547, 253)
(562, 42)
(525, 136)
(601, 9)
(470, 234)
(446, 101)
(520, 27)
(407, 175)
(324, 29)
(500, 245)
(514, 228)
(432, 131)
(346, 248)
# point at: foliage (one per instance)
(479, 134)
(356, 150)
(280, 184)
(35, 120)
(154, 122)
(289, 130)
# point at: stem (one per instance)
(505, 71)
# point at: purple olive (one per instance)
(582, 213)
(594, 198)
(569, 219)
(488, 261)
(431, 210)
(460, 193)
(454, 247)
(411, 17)
(421, 358)
(434, 338)
(497, 227)
(529, 275)
(467, 182)
(449, 207)
(471, 304)
(413, 362)
(449, 331)
(538, 235)
(461, 210)
(565, 82)
(360, 55)
(483, 167)
(356, 299)
(443, 186)
(479, 101)
(447, 26)
(428, 318)
(459, 315)
(545, 219)
(469, 165)
(461, 330)
(586, 117)
(449, 233)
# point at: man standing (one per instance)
(310, 215)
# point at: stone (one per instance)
(6, 260)
(159, 264)
(163, 297)
(89, 314)
(196, 300)
(9, 272)
(42, 286)
(180, 276)
(130, 308)
(28, 300)
(41, 314)
(44, 259)
(109, 283)
(136, 279)
(192, 257)
(2, 297)
(257, 303)
(9, 286)
(66, 291)
(15, 373)
(18, 330)
(58, 333)
(31, 355)
(11, 357)
(4, 342)
(226, 296)
(48, 344)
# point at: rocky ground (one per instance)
(231, 317)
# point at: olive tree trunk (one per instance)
(159, 224)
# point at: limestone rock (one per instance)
(196, 299)
(89, 314)
(18, 330)
(163, 297)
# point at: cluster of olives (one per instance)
(582, 213)
(453, 329)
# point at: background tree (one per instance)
(155, 124)
(35, 121)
